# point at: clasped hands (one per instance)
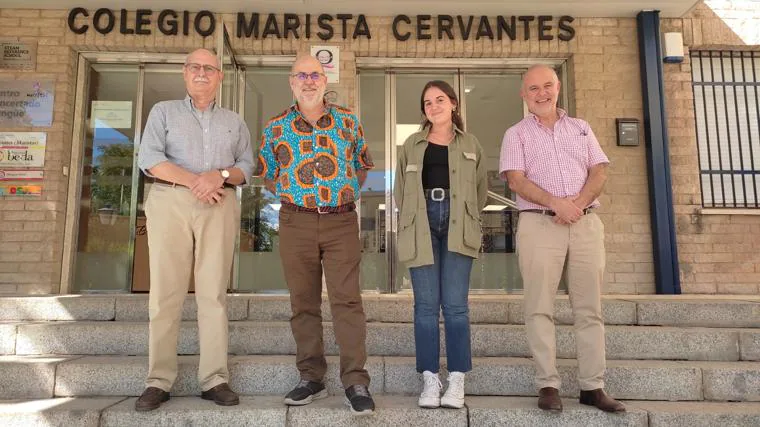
(208, 187)
(567, 210)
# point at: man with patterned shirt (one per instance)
(557, 168)
(313, 156)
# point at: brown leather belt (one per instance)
(551, 212)
(174, 184)
(348, 207)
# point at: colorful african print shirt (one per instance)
(314, 165)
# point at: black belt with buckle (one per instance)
(174, 184)
(348, 207)
(437, 194)
(551, 212)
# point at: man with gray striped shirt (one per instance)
(194, 152)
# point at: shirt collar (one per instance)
(190, 105)
(560, 113)
(423, 134)
(328, 108)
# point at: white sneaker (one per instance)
(454, 396)
(431, 391)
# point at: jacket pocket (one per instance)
(472, 232)
(407, 238)
(469, 165)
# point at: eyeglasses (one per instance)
(315, 76)
(196, 68)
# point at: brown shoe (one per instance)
(548, 399)
(600, 399)
(151, 399)
(221, 395)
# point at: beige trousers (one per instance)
(182, 229)
(542, 248)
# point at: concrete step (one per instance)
(693, 414)
(690, 310)
(391, 411)
(65, 411)
(42, 377)
(386, 339)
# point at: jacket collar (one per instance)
(422, 135)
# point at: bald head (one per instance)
(304, 61)
(541, 70)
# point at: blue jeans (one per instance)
(445, 284)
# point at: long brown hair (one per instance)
(449, 91)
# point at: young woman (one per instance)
(440, 189)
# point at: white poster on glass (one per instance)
(111, 114)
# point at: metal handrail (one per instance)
(503, 200)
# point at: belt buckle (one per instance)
(433, 196)
(319, 210)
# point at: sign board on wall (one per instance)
(26, 103)
(21, 175)
(20, 190)
(22, 149)
(18, 56)
(329, 57)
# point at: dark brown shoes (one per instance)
(600, 399)
(548, 399)
(221, 395)
(151, 399)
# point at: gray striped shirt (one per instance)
(197, 141)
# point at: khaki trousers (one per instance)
(309, 244)
(180, 229)
(542, 248)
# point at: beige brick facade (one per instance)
(716, 251)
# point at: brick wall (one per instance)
(31, 231)
(605, 79)
(717, 253)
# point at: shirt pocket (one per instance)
(411, 176)
(228, 136)
(574, 147)
(469, 166)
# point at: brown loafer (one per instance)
(600, 399)
(548, 399)
(151, 399)
(221, 395)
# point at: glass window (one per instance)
(103, 261)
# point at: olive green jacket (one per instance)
(469, 190)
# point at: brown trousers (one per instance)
(542, 248)
(311, 243)
(180, 229)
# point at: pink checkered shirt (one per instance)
(556, 160)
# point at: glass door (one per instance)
(103, 243)
(266, 93)
(390, 111)
(491, 105)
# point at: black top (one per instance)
(435, 166)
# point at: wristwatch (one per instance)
(225, 174)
